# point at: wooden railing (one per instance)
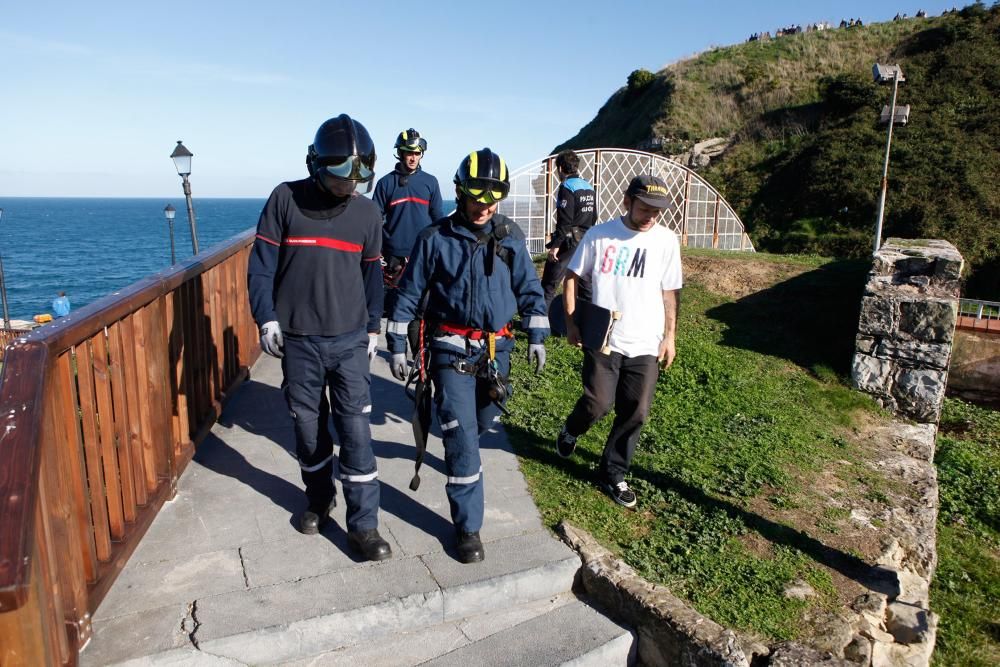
(100, 412)
(7, 335)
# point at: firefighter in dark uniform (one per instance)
(410, 199)
(472, 273)
(316, 292)
(576, 212)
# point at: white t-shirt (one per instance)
(628, 271)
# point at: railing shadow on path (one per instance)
(583, 465)
(810, 320)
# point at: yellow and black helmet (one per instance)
(483, 177)
(410, 141)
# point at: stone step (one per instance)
(574, 634)
(315, 615)
(556, 631)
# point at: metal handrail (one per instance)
(980, 310)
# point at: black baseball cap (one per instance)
(649, 190)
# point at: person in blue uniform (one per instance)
(410, 200)
(472, 273)
(60, 305)
(316, 293)
(576, 212)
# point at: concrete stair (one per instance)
(515, 608)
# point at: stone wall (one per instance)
(907, 326)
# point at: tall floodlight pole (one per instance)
(169, 212)
(182, 160)
(3, 290)
(885, 74)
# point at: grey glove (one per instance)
(398, 366)
(372, 343)
(536, 353)
(271, 339)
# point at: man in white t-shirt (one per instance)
(634, 267)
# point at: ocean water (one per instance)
(90, 247)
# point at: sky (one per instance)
(95, 95)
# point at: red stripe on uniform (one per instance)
(415, 200)
(267, 240)
(335, 244)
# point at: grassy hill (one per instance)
(804, 165)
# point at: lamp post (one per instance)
(169, 212)
(3, 290)
(887, 74)
(182, 160)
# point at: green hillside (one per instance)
(804, 164)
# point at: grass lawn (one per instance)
(966, 587)
(752, 462)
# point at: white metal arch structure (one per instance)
(699, 215)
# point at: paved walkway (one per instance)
(224, 577)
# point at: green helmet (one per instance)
(482, 176)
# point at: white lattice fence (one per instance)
(698, 214)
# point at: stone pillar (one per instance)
(907, 326)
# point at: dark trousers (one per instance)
(630, 384)
(465, 412)
(554, 273)
(312, 365)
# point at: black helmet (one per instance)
(483, 177)
(343, 149)
(410, 141)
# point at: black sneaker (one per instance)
(470, 547)
(369, 544)
(620, 493)
(565, 443)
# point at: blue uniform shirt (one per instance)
(409, 203)
(449, 263)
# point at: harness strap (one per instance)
(472, 333)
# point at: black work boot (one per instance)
(369, 544)
(470, 547)
(313, 519)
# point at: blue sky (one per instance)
(95, 95)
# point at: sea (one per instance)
(92, 247)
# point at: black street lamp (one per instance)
(182, 160)
(3, 290)
(891, 115)
(169, 212)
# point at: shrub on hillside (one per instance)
(639, 79)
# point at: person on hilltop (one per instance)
(473, 272)
(60, 305)
(634, 268)
(316, 292)
(576, 212)
(410, 199)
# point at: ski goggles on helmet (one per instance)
(418, 145)
(351, 167)
(484, 190)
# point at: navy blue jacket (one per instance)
(314, 264)
(409, 202)
(449, 262)
(576, 212)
